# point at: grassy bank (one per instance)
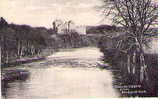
(128, 84)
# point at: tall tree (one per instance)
(69, 23)
(136, 16)
(56, 24)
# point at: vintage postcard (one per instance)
(78, 49)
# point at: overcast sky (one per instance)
(43, 12)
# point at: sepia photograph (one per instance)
(78, 49)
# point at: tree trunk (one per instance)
(142, 64)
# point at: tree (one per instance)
(56, 24)
(136, 16)
(3, 22)
(69, 23)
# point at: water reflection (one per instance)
(55, 82)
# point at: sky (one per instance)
(43, 12)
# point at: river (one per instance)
(67, 74)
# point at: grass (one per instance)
(127, 84)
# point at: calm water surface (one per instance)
(66, 74)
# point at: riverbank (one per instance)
(70, 73)
(126, 83)
(22, 61)
(20, 41)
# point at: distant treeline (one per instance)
(19, 41)
(113, 30)
(103, 29)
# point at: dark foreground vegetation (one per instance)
(21, 43)
(134, 70)
(126, 82)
